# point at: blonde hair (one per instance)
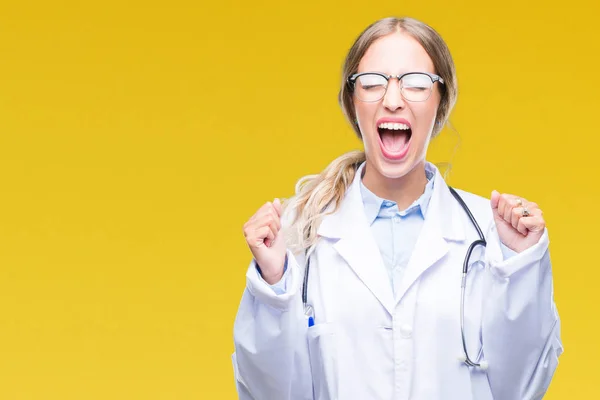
(319, 195)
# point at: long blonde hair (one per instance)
(319, 195)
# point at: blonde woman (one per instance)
(379, 281)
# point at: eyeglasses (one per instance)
(414, 86)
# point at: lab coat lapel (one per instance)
(357, 245)
(442, 223)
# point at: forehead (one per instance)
(396, 53)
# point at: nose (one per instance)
(393, 98)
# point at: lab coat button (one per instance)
(406, 331)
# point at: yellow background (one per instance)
(137, 137)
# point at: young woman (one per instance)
(379, 281)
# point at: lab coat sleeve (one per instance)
(271, 351)
(520, 325)
(277, 287)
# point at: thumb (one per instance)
(494, 200)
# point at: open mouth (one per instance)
(394, 139)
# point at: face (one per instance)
(395, 153)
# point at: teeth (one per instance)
(394, 126)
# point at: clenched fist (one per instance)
(520, 223)
(267, 244)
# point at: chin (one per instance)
(394, 169)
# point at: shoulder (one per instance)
(479, 206)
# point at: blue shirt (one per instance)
(396, 231)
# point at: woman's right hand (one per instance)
(267, 244)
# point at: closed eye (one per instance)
(370, 87)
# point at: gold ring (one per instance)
(519, 202)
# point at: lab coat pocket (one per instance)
(322, 349)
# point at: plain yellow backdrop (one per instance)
(136, 138)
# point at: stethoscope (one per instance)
(483, 365)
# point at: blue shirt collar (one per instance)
(376, 206)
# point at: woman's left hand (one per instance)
(520, 223)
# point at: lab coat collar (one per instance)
(358, 247)
(374, 204)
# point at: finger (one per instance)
(510, 202)
(534, 208)
(262, 210)
(494, 200)
(270, 218)
(507, 211)
(519, 211)
(516, 215)
(531, 224)
(521, 226)
(275, 219)
(277, 206)
(269, 241)
(265, 207)
(263, 234)
(535, 221)
(274, 226)
(265, 214)
(256, 234)
(501, 205)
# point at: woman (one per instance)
(383, 239)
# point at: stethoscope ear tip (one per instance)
(462, 358)
(484, 365)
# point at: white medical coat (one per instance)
(367, 344)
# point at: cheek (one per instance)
(365, 113)
(426, 115)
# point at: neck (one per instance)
(404, 190)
